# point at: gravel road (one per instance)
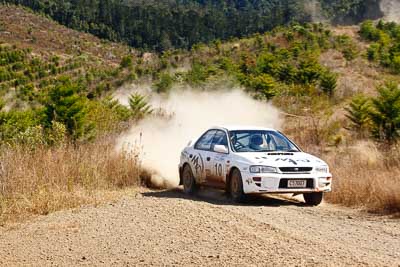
(167, 228)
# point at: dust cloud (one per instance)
(187, 114)
(391, 9)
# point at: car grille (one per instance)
(283, 183)
(295, 169)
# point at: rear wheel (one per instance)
(189, 183)
(313, 199)
(236, 187)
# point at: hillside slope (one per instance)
(36, 51)
(21, 27)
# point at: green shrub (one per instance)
(197, 74)
(309, 71)
(33, 137)
(15, 121)
(26, 92)
(328, 82)
(373, 52)
(267, 63)
(358, 113)
(121, 112)
(287, 73)
(66, 106)
(385, 48)
(369, 31)
(263, 84)
(56, 134)
(164, 83)
(395, 64)
(385, 113)
(139, 106)
(350, 53)
(126, 62)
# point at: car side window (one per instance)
(240, 140)
(219, 139)
(204, 143)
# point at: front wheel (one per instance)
(236, 187)
(189, 183)
(313, 199)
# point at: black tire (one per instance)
(189, 183)
(313, 199)
(236, 187)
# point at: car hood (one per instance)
(282, 159)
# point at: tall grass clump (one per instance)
(367, 178)
(46, 179)
(366, 174)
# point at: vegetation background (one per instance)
(337, 86)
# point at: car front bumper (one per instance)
(279, 183)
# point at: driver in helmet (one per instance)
(256, 142)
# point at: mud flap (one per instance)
(180, 176)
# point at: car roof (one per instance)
(242, 127)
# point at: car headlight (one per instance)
(321, 169)
(262, 169)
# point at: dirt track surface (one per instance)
(167, 228)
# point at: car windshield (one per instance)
(260, 141)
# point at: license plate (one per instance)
(297, 183)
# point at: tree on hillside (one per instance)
(139, 106)
(309, 71)
(368, 31)
(14, 122)
(65, 105)
(328, 82)
(164, 84)
(263, 84)
(126, 61)
(358, 113)
(385, 113)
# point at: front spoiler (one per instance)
(270, 183)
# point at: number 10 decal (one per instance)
(218, 169)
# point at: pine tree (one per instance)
(328, 83)
(358, 113)
(264, 84)
(385, 113)
(164, 84)
(65, 105)
(126, 62)
(139, 106)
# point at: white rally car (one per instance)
(252, 160)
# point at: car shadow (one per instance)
(218, 197)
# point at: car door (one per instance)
(200, 153)
(216, 161)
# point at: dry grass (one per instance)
(364, 175)
(49, 179)
(367, 178)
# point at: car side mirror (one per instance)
(221, 149)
